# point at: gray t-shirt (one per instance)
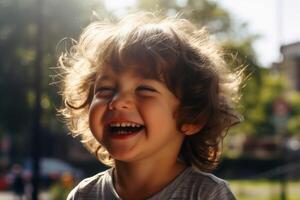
(189, 185)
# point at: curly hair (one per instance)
(171, 50)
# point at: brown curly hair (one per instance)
(171, 50)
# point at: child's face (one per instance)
(134, 117)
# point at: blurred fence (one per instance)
(279, 183)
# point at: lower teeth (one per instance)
(122, 132)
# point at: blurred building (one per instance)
(290, 65)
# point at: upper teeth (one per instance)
(124, 124)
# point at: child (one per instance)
(152, 98)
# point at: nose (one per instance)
(121, 101)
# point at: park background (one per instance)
(261, 155)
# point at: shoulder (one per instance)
(201, 185)
(205, 178)
(89, 186)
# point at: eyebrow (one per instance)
(104, 78)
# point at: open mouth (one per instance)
(124, 128)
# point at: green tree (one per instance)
(18, 29)
(202, 12)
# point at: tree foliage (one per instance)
(18, 32)
(202, 12)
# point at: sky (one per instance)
(276, 21)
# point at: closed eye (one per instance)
(146, 88)
(104, 91)
(146, 91)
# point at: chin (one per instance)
(123, 157)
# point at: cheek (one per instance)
(96, 113)
(158, 112)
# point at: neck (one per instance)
(139, 180)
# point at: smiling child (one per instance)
(152, 98)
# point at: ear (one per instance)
(190, 129)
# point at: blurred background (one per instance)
(39, 160)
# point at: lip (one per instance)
(124, 136)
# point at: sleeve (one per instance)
(222, 192)
(73, 195)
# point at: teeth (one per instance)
(122, 132)
(124, 124)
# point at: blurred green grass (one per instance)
(263, 189)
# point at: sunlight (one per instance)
(118, 5)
